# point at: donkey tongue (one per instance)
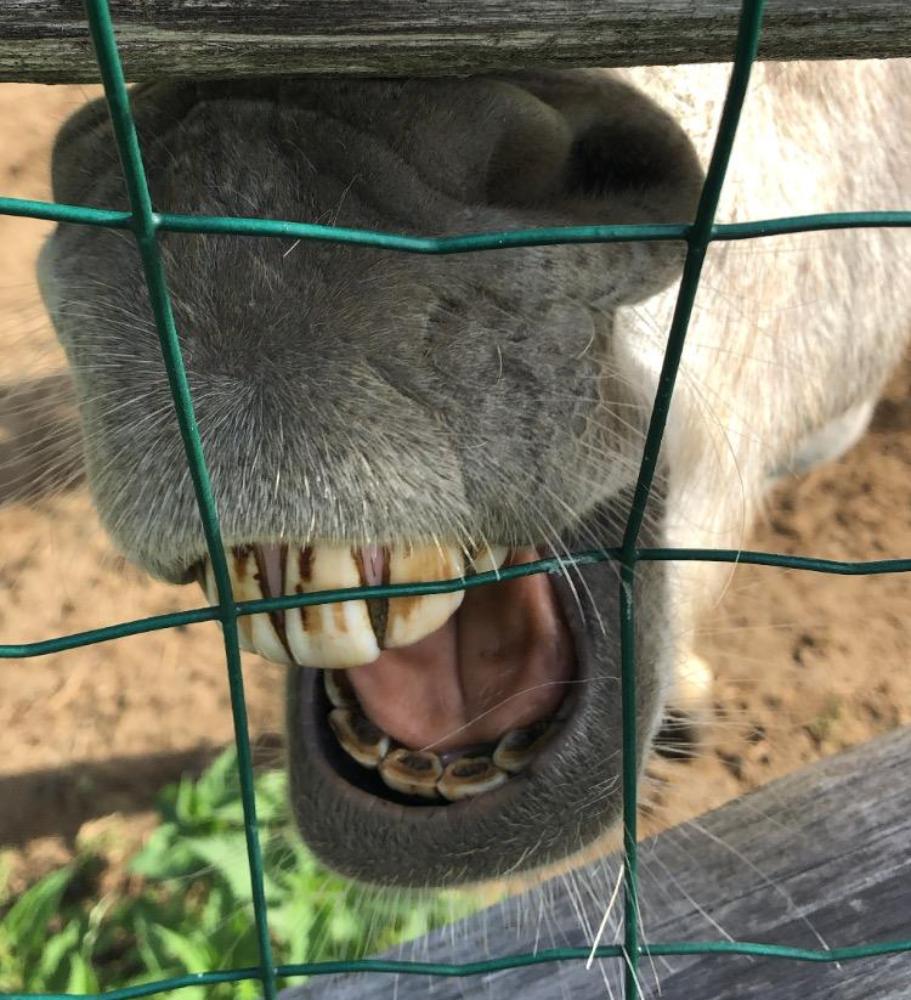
(501, 662)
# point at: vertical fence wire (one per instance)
(145, 224)
(747, 45)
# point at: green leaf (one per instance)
(219, 784)
(185, 993)
(6, 869)
(250, 989)
(196, 915)
(344, 926)
(27, 920)
(227, 856)
(166, 801)
(57, 953)
(164, 855)
(291, 925)
(218, 907)
(150, 956)
(82, 978)
(186, 803)
(272, 799)
(193, 956)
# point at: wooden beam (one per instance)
(817, 860)
(47, 40)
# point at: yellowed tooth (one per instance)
(489, 557)
(208, 582)
(327, 635)
(257, 632)
(359, 737)
(244, 636)
(470, 776)
(517, 748)
(339, 690)
(413, 618)
(412, 772)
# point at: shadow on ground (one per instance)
(58, 801)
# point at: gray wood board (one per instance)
(821, 855)
(47, 40)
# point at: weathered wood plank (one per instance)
(47, 40)
(822, 855)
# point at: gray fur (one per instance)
(356, 394)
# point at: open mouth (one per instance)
(425, 700)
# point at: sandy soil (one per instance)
(806, 664)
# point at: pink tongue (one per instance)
(500, 663)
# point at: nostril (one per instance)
(618, 157)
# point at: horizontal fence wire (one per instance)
(808, 564)
(504, 963)
(444, 245)
(145, 223)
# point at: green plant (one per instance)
(184, 901)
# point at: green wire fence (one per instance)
(145, 224)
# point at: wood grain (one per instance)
(47, 40)
(823, 855)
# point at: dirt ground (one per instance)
(806, 665)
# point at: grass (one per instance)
(183, 902)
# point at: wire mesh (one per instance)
(145, 224)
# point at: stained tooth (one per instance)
(448, 757)
(208, 582)
(339, 690)
(412, 772)
(359, 737)
(489, 558)
(470, 776)
(327, 635)
(372, 565)
(244, 638)
(412, 618)
(518, 747)
(257, 635)
(257, 632)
